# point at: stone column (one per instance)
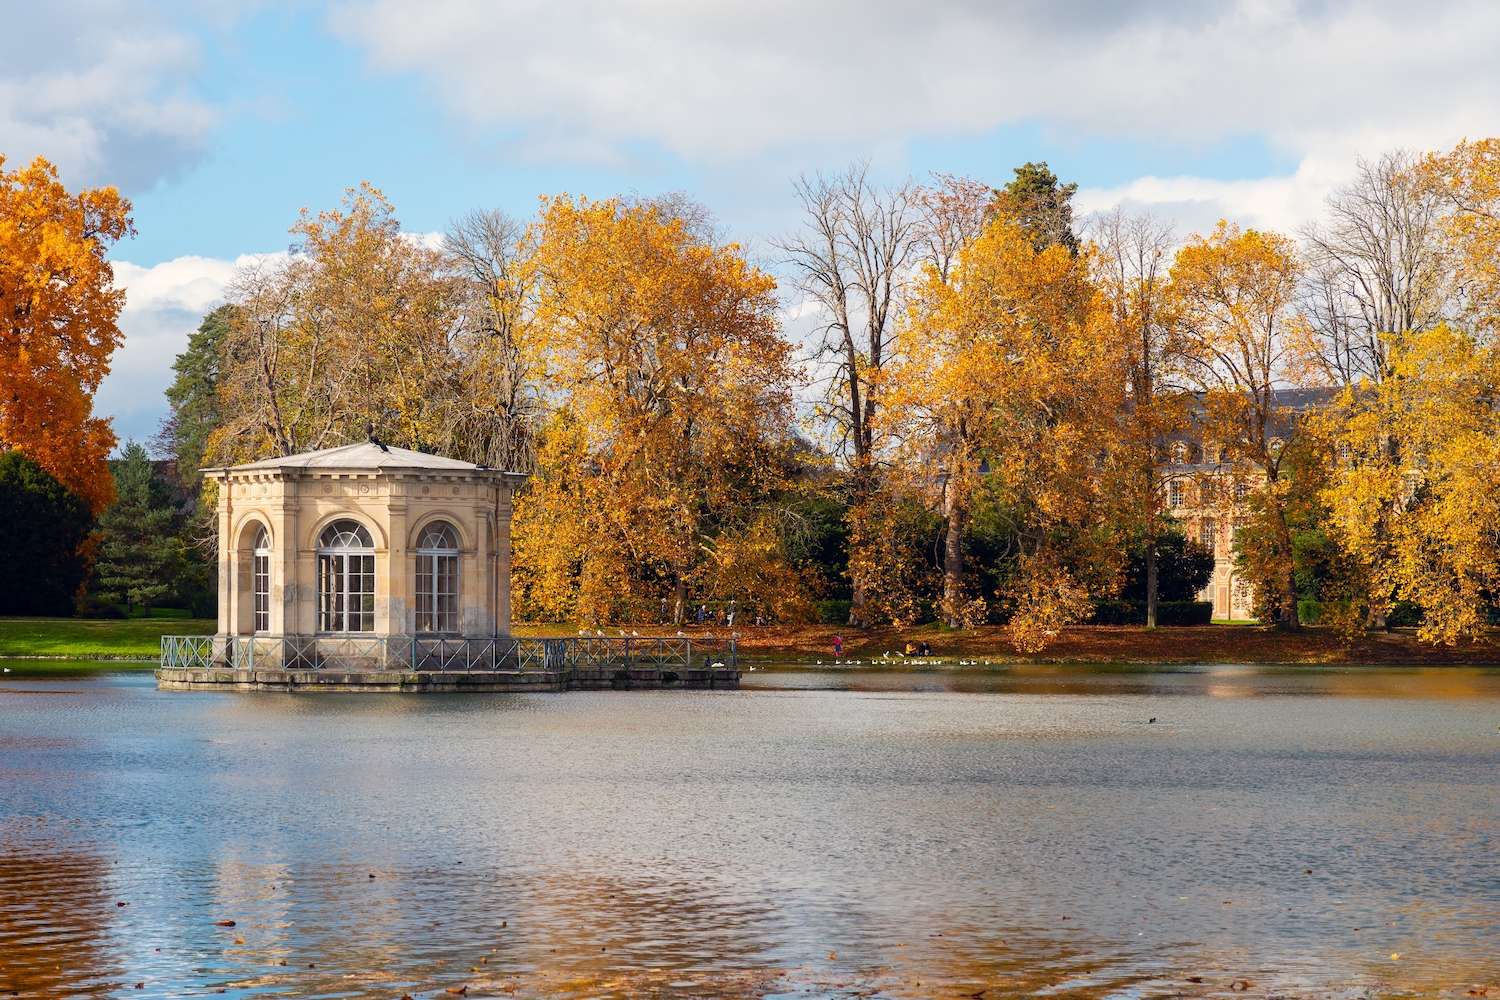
(397, 572)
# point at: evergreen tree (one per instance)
(194, 395)
(44, 540)
(137, 556)
(1043, 207)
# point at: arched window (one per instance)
(437, 579)
(260, 562)
(346, 578)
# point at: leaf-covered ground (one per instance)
(1078, 644)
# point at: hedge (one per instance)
(1182, 613)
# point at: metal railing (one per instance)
(439, 655)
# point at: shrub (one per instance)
(94, 606)
(1175, 613)
(44, 529)
(1309, 612)
(834, 612)
(1404, 615)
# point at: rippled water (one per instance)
(817, 834)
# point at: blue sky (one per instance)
(222, 120)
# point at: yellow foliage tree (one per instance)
(671, 390)
(1236, 293)
(58, 332)
(347, 337)
(1005, 362)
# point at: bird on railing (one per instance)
(681, 634)
(635, 634)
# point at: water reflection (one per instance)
(56, 912)
(1219, 680)
(1042, 840)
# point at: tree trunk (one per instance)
(1286, 617)
(1151, 578)
(953, 561)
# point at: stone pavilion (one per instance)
(364, 540)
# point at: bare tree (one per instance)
(1132, 259)
(1378, 268)
(494, 406)
(852, 260)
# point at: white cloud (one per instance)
(163, 304)
(100, 89)
(1197, 203)
(716, 82)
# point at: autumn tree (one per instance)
(347, 336)
(1131, 256)
(1009, 349)
(670, 392)
(58, 312)
(852, 261)
(1236, 294)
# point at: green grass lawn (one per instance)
(84, 638)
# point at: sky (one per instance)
(221, 121)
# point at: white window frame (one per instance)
(346, 578)
(260, 581)
(437, 583)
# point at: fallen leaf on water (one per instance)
(1240, 984)
(122, 904)
(239, 940)
(830, 956)
(1195, 979)
(141, 986)
(974, 996)
(1395, 955)
(1307, 871)
(282, 962)
(1480, 993)
(462, 991)
(224, 923)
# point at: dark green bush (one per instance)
(92, 606)
(203, 604)
(42, 528)
(1404, 615)
(1177, 613)
(1309, 612)
(834, 612)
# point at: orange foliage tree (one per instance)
(1236, 293)
(58, 312)
(670, 389)
(1007, 361)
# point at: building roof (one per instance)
(364, 455)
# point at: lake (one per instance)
(818, 834)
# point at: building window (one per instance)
(1240, 489)
(260, 565)
(437, 579)
(1209, 534)
(346, 578)
(1174, 493)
